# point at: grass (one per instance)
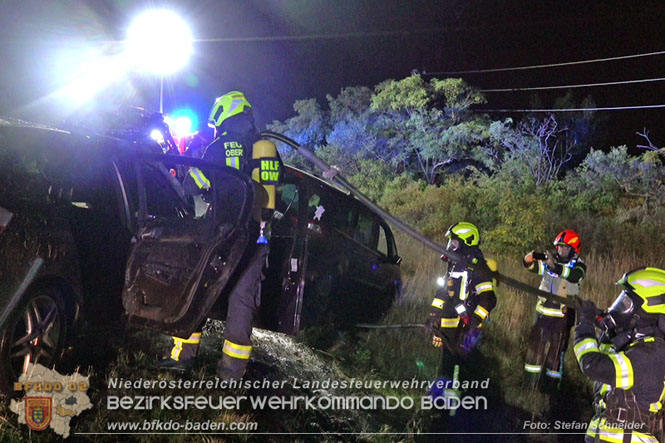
(386, 354)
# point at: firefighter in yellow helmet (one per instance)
(237, 145)
(629, 376)
(463, 304)
(562, 272)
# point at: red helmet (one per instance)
(570, 238)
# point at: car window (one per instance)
(367, 230)
(162, 202)
(383, 242)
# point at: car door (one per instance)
(191, 233)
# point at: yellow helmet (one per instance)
(228, 105)
(467, 232)
(649, 285)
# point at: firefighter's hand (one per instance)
(529, 258)
(587, 312)
(437, 342)
(549, 261)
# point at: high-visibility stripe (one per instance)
(657, 406)
(624, 370)
(639, 437)
(481, 312)
(585, 347)
(233, 162)
(592, 430)
(613, 435)
(236, 351)
(553, 374)
(616, 434)
(199, 178)
(541, 268)
(194, 339)
(437, 303)
(566, 272)
(549, 312)
(449, 322)
(534, 369)
(463, 294)
(484, 287)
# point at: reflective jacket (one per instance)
(632, 386)
(469, 289)
(562, 280)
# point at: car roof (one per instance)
(20, 128)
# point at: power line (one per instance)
(582, 85)
(608, 108)
(549, 65)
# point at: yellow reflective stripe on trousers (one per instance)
(484, 287)
(624, 370)
(584, 347)
(549, 312)
(534, 369)
(236, 351)
(481, 312)
(199, 178)
(194, 339)
(437, 303)
(449, 322)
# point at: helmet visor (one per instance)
(622, 310)
(453, 244)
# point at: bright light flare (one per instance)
(440, 281)
(157, 136)
(159, 41)
(182, 122)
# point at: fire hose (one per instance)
(332, 175)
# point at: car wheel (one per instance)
(35, 333)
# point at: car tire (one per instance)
(35, 333)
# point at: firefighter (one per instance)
(629, 377)
(463, 304)
(562, 273)
(236, 145)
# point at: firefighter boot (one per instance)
(234, 361)
(182, 354)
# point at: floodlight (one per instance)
(159, 41)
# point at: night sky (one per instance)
(281, 51)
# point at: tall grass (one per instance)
(407, 353)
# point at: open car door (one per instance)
(192, 230)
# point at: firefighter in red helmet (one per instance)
(562, 273)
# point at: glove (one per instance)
(587, 311)
(471, 340)
(529, 258)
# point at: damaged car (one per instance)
(95, 229)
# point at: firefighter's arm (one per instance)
(433, 321)
(574, 274)
(531, 262)
(610, 369)
(486, 302)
